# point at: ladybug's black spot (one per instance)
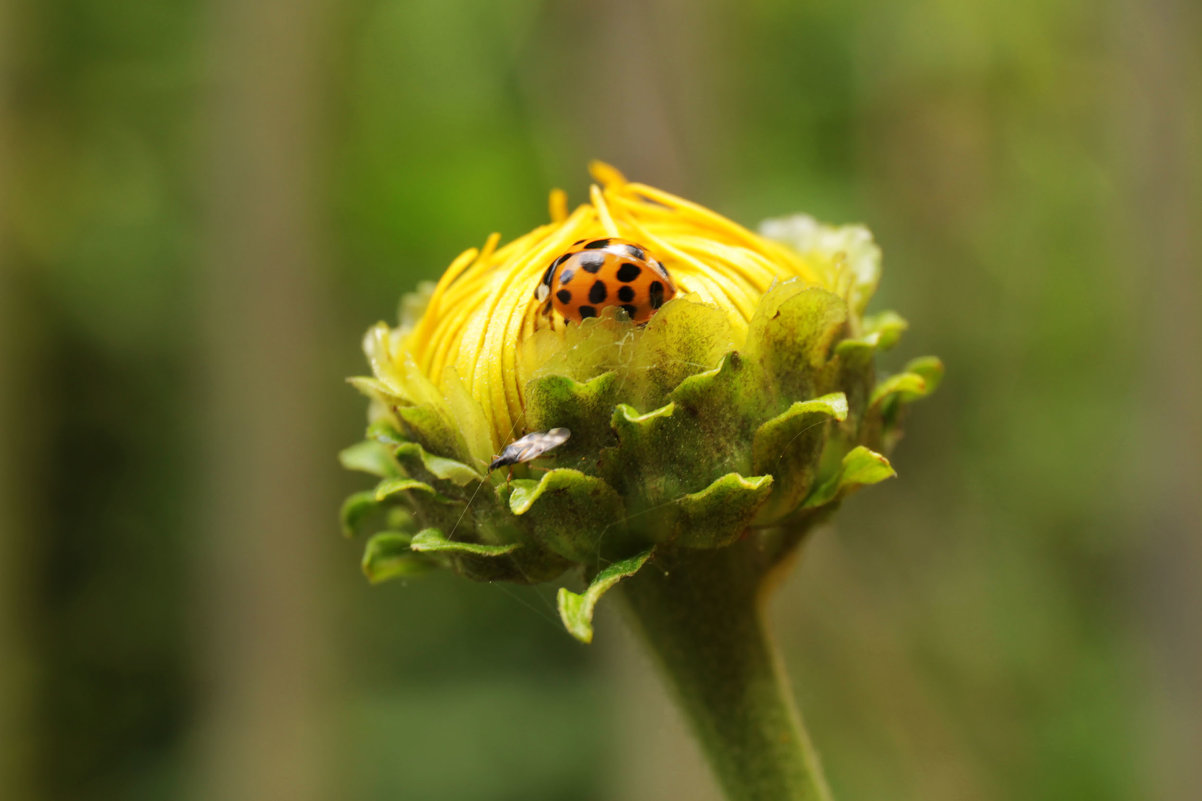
(565, 297)
(597, 292)
(591, 262)
(628, 272)
(597, 243)
(567, 275)
(656, 291)
(577, 242)
(659, 268)
(631, 310)
(626, 294)
(546, 279)
(635, 252)
(586, 312)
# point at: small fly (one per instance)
(529, 447)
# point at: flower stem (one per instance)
(699, 614)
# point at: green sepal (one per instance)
(383, 431)
(391, 486)
(788, 447)
(426, 426)
(858, 350)
(355, 509)
(721, 406)
(582, 351)
(859, 467)
(371, 457)
(431, 508)
(576, 609)
(388, 556)
(886, 327)
(377, 390)
(568, 512)
(641, 434)
(646, 466)
(634, 427)
(520, 563)
(581, 407)
(855, 358)
(790, 339)
(669, 452)
(920, 378)
(523, 564)
(908, 385)
(681, 339)
(891, 397)
(930, 368)
(722, 512)
(431, 540)
(447, 476)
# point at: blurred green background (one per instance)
(204, 204)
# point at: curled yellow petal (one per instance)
(467, 344)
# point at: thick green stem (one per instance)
(699, 614)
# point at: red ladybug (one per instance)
(605, 272)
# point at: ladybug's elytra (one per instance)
(605, 272)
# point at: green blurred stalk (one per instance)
(1159, 116)
(19, 428)
(264, 304)
(700, 616)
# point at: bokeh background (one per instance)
(204, 204)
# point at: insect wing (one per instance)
(531, 446)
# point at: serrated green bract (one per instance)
(569, 513)
(388, 556)
(891, 397)
(709, 399)
(791, 338)
(885, 328)
(369, 457)
(481, 562)
(788, 446)
(860, 467)
(355, 509)
(447, 476)
(722, 512)
(391, 486)
(576, 610)
(905, 385)
(683, 338)
(583, 408)
(431, 540)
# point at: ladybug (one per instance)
(605, 272)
